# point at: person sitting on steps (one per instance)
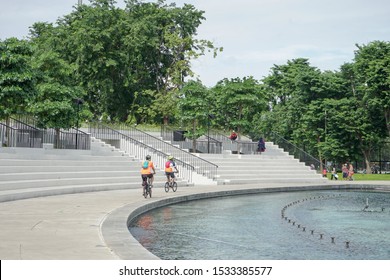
(233, 136)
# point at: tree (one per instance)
(372, 64)
(327, 114)
(236, 102)
(290, 88)
(324, 130)
(56, 104)
(194, 107)
(92, 41)
(121, 56)
(16, 76)
(165, 36)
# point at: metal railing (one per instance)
(204, 144)
(293, 150)
(202, 166)
(16, 137)
(246, 147)
(236, 146)
(67, 139)
(138, 149)
(138, 143)
(23, 132)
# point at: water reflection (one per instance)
(251, 227)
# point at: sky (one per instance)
(255, 34)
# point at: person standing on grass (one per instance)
(344, 169)
(334, 173)
(350, 172)
(324, 171)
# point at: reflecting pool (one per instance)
(294, 225)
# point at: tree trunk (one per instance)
(166, 120)
(367, 158)
(320, 156)
(57, 139)
(387, 119)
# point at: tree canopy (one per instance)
(16, 76)
(120, 56)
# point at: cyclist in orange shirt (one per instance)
(147, 171)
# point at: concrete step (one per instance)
(66, 175)
(20, 184)
(65, 162)
(43, 156)
(272, 166)
(241, 181)
(297, 167)
(26, 193)
(256, 176)
(265, 172)
(63, 168)
(261, 164)
(28, 173)
(71, 182)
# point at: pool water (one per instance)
(315, 225)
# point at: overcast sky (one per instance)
(255, 34)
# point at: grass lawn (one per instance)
(367, 177)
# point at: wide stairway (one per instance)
(34, 172)
(272, 166)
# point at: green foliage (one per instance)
(372, 68)
(193, 108)
(371, 177)
(236, 103)
(56, 103)
(16, 76)
(194, 102)
(121, 56)
(332, 115)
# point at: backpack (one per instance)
(168, 164)
(145, 165)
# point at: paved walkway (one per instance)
(94, 225)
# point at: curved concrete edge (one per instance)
(116, 235)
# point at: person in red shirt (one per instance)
(170, 169)
(324, 172)
(233, 136)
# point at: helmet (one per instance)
(148, 157)
(170, 157)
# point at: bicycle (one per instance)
(148, 189)
(171, 184)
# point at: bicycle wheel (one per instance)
(150, 191)
(174, 186)
(146, 191)
(166, 187)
